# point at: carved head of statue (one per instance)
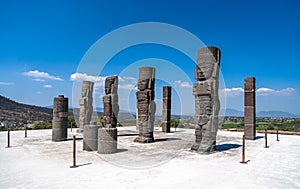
(143, 84)
(207, 63)
(87, 88)
(204, 71)
(110, 84)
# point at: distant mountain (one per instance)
(277, 114)
(273, 114)
(18, 114)
(234, 113)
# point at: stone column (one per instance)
(86, 104)
(107, 140)
(207, 104)
(166, 111)
(145, 105)
(249, 108)
(60, 119)
(90, 137)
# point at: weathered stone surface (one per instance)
(249, 108)
(107, 140)
(166, 111)
(110, 102)
(146, 106)
(207, 103)
(86, 104)
(90, 137)
(60, 119)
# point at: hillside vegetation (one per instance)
(18, 114)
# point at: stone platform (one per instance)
(37, 162)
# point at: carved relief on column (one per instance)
(86, 104)
(207, 103)
(166, 111)
(145, 105)
(60, 119)
(110, 102)
(249, 108)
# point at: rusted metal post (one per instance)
(266, 139)
(74, 153)
(243, 151)
(25, 132)
(277, 135)
(8, 137)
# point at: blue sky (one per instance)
(43, 42)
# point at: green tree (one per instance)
(71, 122)
(42, 125)
(99, 121)
(175, 123)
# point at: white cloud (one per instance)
(133, 79)
(47, 86)
(98, 80)
(231, 92)
(44, 75)
(85, 77)
(39, 80)
(183, 84)
(127, 86)
(129, 83)
(282, 92)
(6, 83)
(124, 82)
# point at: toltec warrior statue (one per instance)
(86, 104)
(207, 104)
(110, 102)
(145, 105)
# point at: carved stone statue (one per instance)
(145, 105)
(207, 104)
(86, 104)
(110, 102)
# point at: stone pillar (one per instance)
(207, 104)
(110, 102)
(60, 119)
(166, 111)
(249, 108)
(145, 105)
(107, 140)
(86, 104)
(90, 137)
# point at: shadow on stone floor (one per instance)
(83, 164)
(121, 150)
(225, 147)
(259, 137)
(128, 134)
(76, 139)
(165, 139)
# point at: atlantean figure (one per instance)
(110, 102)
(207, 104)
(86, 104)
(145, 105)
